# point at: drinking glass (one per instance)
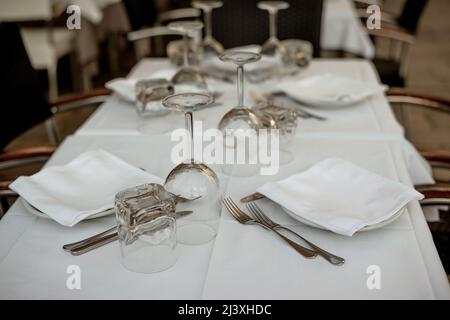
(283, 119)
(187, 74)
(175, 53)
(146, 228)
(210, 45)
(297, 52)
(152, 116)
(240, 118)
(194, 180)
(272, 44)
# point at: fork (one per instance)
(243, 218)
(263, 218)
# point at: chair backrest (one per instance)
(412, 10)
(22, 100)
(241, 22)
(141, 13)
(25, 10)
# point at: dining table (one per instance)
(242, 262)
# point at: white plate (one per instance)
(329, 91)
(39, 213)
(367, 228)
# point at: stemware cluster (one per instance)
(192, 180)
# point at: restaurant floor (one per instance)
(428, 71)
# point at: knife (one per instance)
(253, 197)
(100, 239)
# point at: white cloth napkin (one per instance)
(125, 88)
(340, 196)
(85, 186)
(328, 90)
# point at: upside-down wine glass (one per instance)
(240, 117)
(187, 75)
(272, 44)
(194, 180)
(210, 45)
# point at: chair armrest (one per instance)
(395, 34)
(4, 188)
(183, 13)
(369, 2)
(24, 153)
(151, 32)
(385, 16)
(79, 100)
(400, 95)
(435, 191)
(442, 156)
(435, 202)
(25, 156)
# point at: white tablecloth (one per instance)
(343, 30)
(242, 262)
(373, 115)
(372, 119)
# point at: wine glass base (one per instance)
(195, 233)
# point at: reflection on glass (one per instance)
(194, 180)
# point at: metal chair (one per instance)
(413, 110)
(22, 157)
(439, 195)
(400, 33)
(24, 106)
(425, 120)
(142, 37)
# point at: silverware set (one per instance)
(258, 217)
(101, 239)
(299, 108)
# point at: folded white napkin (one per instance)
(328, 90)
(85, 186)
(125, 88)
(340, 196)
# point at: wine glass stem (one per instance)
(208, 24)
(273, 24)
(240, 85)
(189, 119)
(186, 50)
